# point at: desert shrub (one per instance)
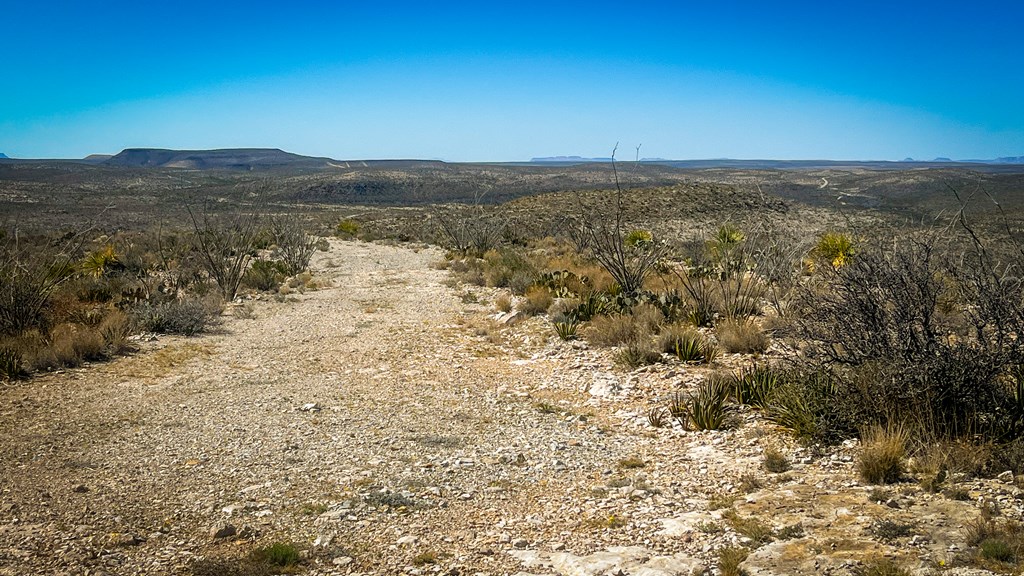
(890, 530)
(537, 301)
(280, 554)
(752, 528)
(743, 337)
(882, 322)
(638, 353)
(293, 247)
(701, 301)
(740, 296)
(226, 243)
(505, 267)
(704, 410)
(471, 230)
(881, 459)
(503, 303)
(648, 317)
(265, 275)
(186, 317)
(347, 229)
(612, 330)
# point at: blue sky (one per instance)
(473, 82)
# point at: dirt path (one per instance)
(365, 394)
(384, 426)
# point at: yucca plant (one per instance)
(835, 248)
(707, 409)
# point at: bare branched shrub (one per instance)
(293, 245)
(627, 255)
(473, 230)
(226, 242)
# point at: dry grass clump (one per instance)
(612, 330)
(537, 301)
(729, 560)
(881, 567)
(775, 461)
(882, 454)
(503, 303)
(648, 318)
(638, 353)
(741, 337)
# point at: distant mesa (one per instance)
(1009, 160)
(568, 159)
(909, 159)
(2, 155)
(97, 158)
(226, 159)
(942, 159)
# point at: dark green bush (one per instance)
(265, 275)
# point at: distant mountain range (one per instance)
(566, 159)
(273, 158)
(2, 155)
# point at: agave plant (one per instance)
(566, 328)
(707, 409)
(754, 386)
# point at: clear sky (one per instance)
(506, 82)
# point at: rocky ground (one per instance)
(391, 424)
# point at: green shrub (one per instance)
(687, 344)
(347, 229)
(834, 248)
(279, 554)
(507, 268)
(566, 328)
(265, 275)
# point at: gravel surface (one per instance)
(391, 424)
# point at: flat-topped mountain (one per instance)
(226, 159)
